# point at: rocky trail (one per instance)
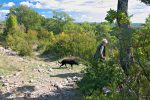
(24, 78)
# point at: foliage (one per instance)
(98, 76)
(32, 36)
(141, 40)
(112, 15)
(59, 35)
(17, 41)
(51, 25)
(16, 38)
(45, 38)
(139, 72)
(11, 22)
(72, 28)
(103, 30)
(58, 21)
(87, 27)
(26, 16)
(62, 16)
(109, 74)
(80, 44)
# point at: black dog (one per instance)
(68, 61)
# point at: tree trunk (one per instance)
(124, 37)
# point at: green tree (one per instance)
(102, 30)
(71, 27)
(16, 38)
(59, 20)
(62, 16)
(87, 27)
(26, 16)
(11, 22)
(125, 35)
(44, 39)
(51, 25)
(57, 23)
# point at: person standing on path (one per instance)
(101, 51)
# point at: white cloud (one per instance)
(9, 4)
(139, 10)
(76, 5)
(44, 16)
(29, 4)
(89, 17)
(26, 3)
(140, 17)
(4, 11)
(37, 5)
(90, 10)
(3, 14)
(95, 9)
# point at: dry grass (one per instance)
(7, 66)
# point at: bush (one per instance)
(72, 28)
(18, 41)
(109, 74)
(99, 75)
(81, 44)
(19, 44)
(44, 38)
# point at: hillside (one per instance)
(24, 78)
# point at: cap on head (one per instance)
(105, 40)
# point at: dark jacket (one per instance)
(98, 54)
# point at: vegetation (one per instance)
(127, 52)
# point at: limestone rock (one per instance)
(5, 84)
(58, 86)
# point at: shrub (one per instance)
(19, 44)
(81, 44)
(100, 75)
(18, 41)
(72, 28)
(44, 38)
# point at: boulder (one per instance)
(5, 84)
(50, 70)
(58, 86)
(69, 79)
(27, 94)
(31, 81)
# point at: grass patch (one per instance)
(7, 66)
(7, 69)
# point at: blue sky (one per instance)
(80, 10)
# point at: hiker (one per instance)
(101, 50)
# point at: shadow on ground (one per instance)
(58, 94)
(68, 75)
(59, 67)
(26, 88)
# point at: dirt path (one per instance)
(38, 80)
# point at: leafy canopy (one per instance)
(26, 16)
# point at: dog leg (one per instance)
(61, 65)
(71, 66)
(65, 65)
